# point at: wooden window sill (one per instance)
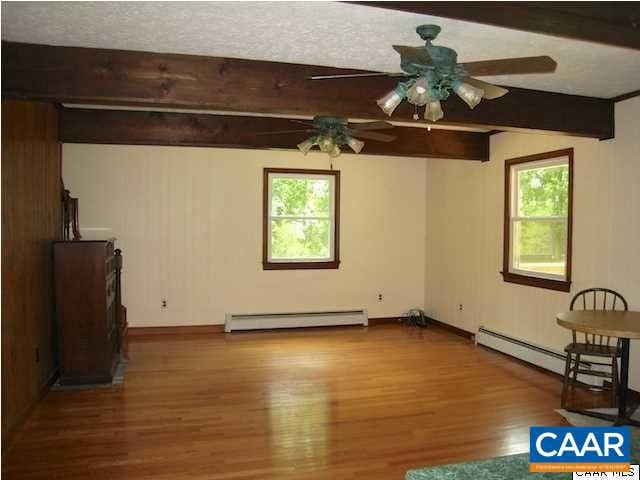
(301, 265)
(559, 285)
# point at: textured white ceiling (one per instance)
(317, 33)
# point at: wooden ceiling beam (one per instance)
(79, 125)
(609, 23)
(117, 77)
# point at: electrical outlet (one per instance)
(164, 303)
(460, 307)
(379, 297)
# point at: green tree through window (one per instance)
(301, 217)
(538, 218)
(544, 192)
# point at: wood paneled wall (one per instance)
(189, 223)
(31, 218)
(464, 257)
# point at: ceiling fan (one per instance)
(430, 73)
(333, 132)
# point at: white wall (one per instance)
(189, 221)
(465, 205)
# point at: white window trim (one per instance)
(514, 205)
(331, 218)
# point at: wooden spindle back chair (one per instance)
(593, 345)
(597, 299)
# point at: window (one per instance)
(301, 219)
(537, 223)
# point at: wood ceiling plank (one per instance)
(117, 77)
(204, 130)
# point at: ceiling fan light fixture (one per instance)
(431, 72)
(433, 111)
(389, 102)
(355, 144)
(326, 143)
(418, 93)
(307, 145)
(470, 94)
(331, 134)
(335, 151)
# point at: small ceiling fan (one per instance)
(430, 73)
(333, 132)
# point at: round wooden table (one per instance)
(622, 324)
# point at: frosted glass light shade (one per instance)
(355, 144)
(305, 146)
(418, 93)
(326, 143)
(389, 102)
(470, 94)
(433, 111)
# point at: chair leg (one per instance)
(614, 382)
(576, 368)
(565, 383)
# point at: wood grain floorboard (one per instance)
(339, 403)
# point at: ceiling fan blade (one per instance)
(356, 75)
(302, 122)
(416, 55)
(370, 126)
(281, 132)
(380, 137)
(511, 66)
(490, 91)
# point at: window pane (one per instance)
(303, 197)
(543, 191)
(540, 246)
(300, 239)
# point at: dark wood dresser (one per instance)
(88, 310)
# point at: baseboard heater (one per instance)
(262, 321)
(543, 357)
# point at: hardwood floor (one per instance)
(338, 403)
